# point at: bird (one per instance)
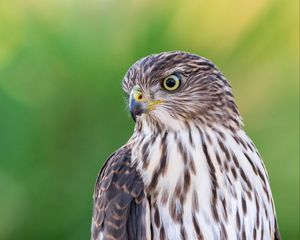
(189, 170)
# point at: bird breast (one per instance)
(204, 183)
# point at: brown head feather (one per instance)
(204, 96)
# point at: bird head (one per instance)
(174, 88)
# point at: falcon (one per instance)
(189, 171)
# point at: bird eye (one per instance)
(171, 83)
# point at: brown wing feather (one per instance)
(119, 200)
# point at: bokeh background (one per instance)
(62, 110)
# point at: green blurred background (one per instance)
(62, 110)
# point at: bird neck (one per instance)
(157, 125)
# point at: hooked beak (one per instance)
(138, 104)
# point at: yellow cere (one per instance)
(137, 95)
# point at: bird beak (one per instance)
(138, 104)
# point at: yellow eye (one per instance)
(171, 83)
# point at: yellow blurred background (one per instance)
(62, 110)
